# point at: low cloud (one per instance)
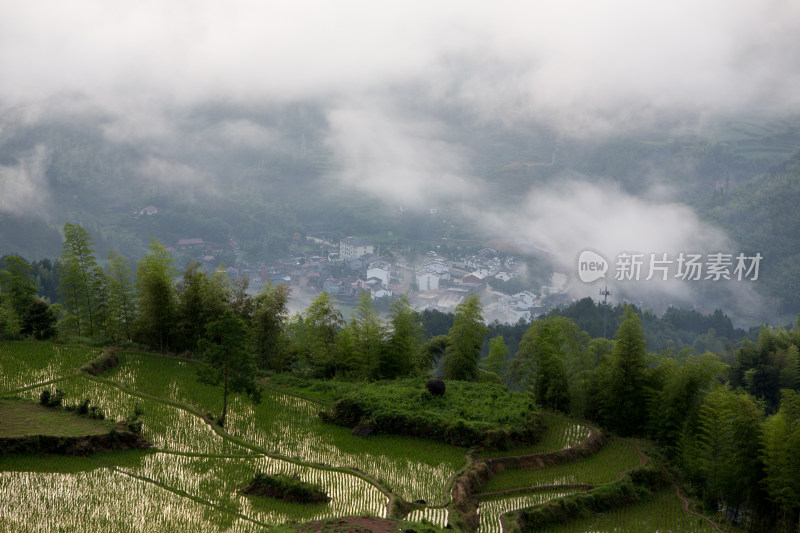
(576, 215)
(399, 158)
(188, 182)
(581, 66)
(23, 187)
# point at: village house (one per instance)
(354, 247)
(431, 273)
(379, 292)
(380, 270)
(360, 263)
(428, 281)
(375, 288)
(442, 300)
(475, 278)
(485, 262)
(521, 305)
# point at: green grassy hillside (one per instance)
(190, 481)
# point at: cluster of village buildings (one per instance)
(433, 283)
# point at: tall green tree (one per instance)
(585, 379)
(200, 299)
(241, 303)
(790, 375)
(624, 398)
(757, 368)
(46, 279)
(681, 386)
(727, 451)
(121, 297)
(39, 320)
(9, 321)
(780, 453)
(495, 362)
(156, 321)
(313, 337)
(268, 327)
(17, 283)
(746, 491)
(714, 448)
(404, 342)
(17, 293)
(82, 282)
(227, 360)
(368, 338)
(464, 340)
(542, 352)
(552, 351)
(99, 287)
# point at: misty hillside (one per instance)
(623, 128)
(260, 176)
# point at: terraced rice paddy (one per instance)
(217, 480)
(196, 481)
(23, 364)
(190, 480)
(105, 500)
(491, 509)
(436, 516)
(614, 458)
(289, 426)
(562, 433)
(662, 513)
(165, 426)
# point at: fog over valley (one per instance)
(619, 126)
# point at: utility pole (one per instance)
(605, 293)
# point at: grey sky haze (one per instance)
(580, 67)
(502, 57)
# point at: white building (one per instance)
(486, 262)
(429, 275)
(379, 292)
(354, 247)
(380, 270)
(428, 281)
(517, 306)
(438, 267)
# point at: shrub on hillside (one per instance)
(283, 487)
(483, 415)
(48, 399)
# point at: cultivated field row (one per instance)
(192, 476)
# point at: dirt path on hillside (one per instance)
(642, 460)
(684, 501)
(687, 508)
